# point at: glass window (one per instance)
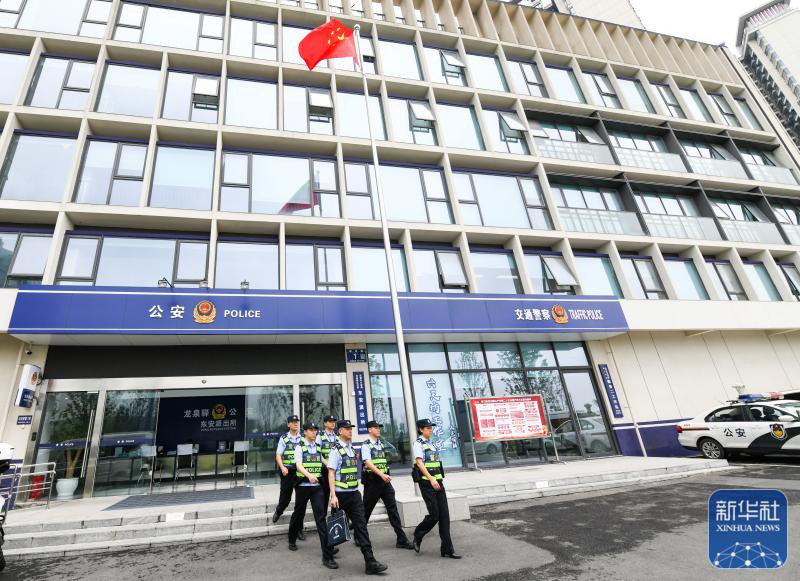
(269, 184)
(635, 95)
(436, 387)
(168, 27)
(728, 116)
(738, 210)
(792, 275)
(576, 196)
(601, 90)
(360, 183)
(685, 280)
(251, 104)
(291, 40)
(424, 356)
(696, 105)
(459, 127)
(253, 39)
(495, 273)
(388, 408)
(486, 72)
(527, 79)
(239, 261)
(725, 281)
(182, 178)
(352, 122)
(22, 258)
(59, 16)
(643, 278)
(22, 177)
(307, 109)
(383, 358)
(445, 66)
(61, 83)
(549, 274)
(465, 356)
(412, 121)
(314, 267)
(439, 271)
(492, 200)
(191, 97)
(761, 281)
(565, 84)
(79, 257)
(747, 113)
(506, 132)
(13, 67)
(111, 174)
(367, 57)
(597, 276)
(413, 195)
(129, 90)
(399, 60)
(368, 269)
(668, 100)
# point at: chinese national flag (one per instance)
(331, 40)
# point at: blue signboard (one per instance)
(126, 311)
(26, 397)
(24, 420)
(611, 391)
(360, 388)
(747, 529)
(356, 355)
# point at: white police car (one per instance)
(756, 423)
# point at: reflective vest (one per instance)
(378, 457)
(432, 461)
(288, 452)
(346, 476)
(326, 442)
(312, 462)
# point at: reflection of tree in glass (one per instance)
(267, 410)
(472, 384)
(7, 244)
(127, 412)
(317, 401)
(69, 422)
(390, 412)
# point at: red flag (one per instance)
(331, 40)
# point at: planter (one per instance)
(66, 487)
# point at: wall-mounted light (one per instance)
(164, 283)
(244, 284)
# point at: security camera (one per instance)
(28, 351)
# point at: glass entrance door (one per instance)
(267, 410)
(66, 432)
(592, 429)
(318, 401)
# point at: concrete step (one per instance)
(104, 545)
(41, 537)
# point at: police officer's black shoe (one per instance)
(373, 567)
(330, 563)
(301, 536)
(276, 516)
(292, 547)
(417, 544)
(451, 555)
(404, 545)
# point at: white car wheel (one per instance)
(712, 449)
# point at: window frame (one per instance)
(194, 104)
(725, 110)
(659, 292)
(638, 86)
(669, 100)
(475, 199)
(603, 192)
(64, 80)
(143, 22)
(551, 284)
(605, 95)
(101, 238)
(255, 43)
(794, 285)
(536, 74)
(740, 295)
(249, 185)
(24, 277)
(115, 175)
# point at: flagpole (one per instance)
(387, 246)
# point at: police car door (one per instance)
(770, 433)
(728, 426)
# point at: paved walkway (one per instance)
(481, 487)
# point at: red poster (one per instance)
(508, 418)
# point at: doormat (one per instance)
(201, 496)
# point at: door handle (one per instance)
(86, 445)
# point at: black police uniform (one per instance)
(350, 501)
(289, 481)
(325, 444)
(435, 500)
(376, 489)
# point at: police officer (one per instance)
(325, 440)
(284, 456)
(343, 480)
(428, 462)
(378, 483)
(308, 461)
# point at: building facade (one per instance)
(192, 247)
(616, 11)
(769, 51)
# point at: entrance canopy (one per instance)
(111, 315)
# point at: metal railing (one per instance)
(28, 484)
